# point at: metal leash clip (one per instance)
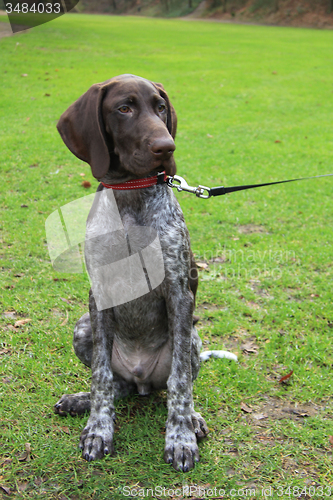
(199, 191)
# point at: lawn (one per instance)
(254, 104)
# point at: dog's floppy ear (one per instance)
(82, 130)
(172, 117)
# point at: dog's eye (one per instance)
(124, 109)
(161, 107)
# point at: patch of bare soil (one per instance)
(298, 13)
(277, 409)
(251, 228)
(5, 29)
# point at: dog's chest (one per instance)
(147, 228)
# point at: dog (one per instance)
(125, 129)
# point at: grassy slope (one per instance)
(237, 90)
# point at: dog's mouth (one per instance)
(150, 163)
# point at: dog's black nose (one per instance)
(163, 148)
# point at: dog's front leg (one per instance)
(181, 447)
(97, 437)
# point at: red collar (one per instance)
(160, 178)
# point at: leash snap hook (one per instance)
(201, 192)
(183, 186)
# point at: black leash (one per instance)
(206, 192)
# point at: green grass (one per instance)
(237, 90)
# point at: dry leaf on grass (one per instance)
(26, 455)
(202, 265)
(5, 489)
(259, 416)
(330, 438)
(6, 461)
(86, 184)
(5, 350)
(286, 377)
(219, 259)
(65, 320)
(12, 328)
(9, 314)
(249, 347)
(245, 408)
(253, 305)
(65, 300)
(300, 413)
(22, 322)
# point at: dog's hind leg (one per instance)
(79, 403)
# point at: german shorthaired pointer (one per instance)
(125, 129)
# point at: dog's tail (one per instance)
(204, 355)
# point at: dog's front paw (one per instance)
(97, 438)
(200, 427)
(73, 404)
(181, 447)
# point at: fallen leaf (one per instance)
(65, 300)
(5, 350)
(26, 455)
(66, 429)
(245, 408)
(47, 95)
(286, 377)
(202, 265)
(7, 461)
(219, 259)
(21, 322)
(65, 320)
(330, 438)
(86, 184)
(259, 416)
(300, 413)
(277, 141)
(249, 347)
(9, 314)
(12, 328)
(253, 305)
(5, 489)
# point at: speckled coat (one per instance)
(149, 342)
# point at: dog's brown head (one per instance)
(122, 127)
